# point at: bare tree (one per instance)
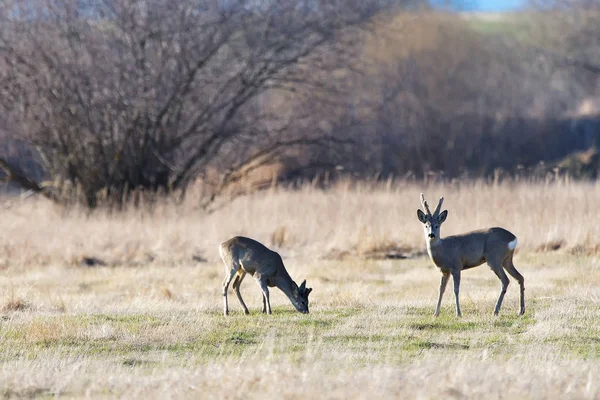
(150, 94)
(568, 38)
(450, 99)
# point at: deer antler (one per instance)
(439, 207)
(425, 205)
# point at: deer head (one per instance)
(432, 222)
(300, 297)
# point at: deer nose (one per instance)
(431, 235)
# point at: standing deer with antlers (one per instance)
(453, 254)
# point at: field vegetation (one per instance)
(128, 304)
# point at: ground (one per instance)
(128, 304)
(158, 331)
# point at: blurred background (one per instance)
(103, 100)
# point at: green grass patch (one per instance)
(357, 335)
(577, 347)
(290, 334)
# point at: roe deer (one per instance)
(243, 255)
(453, 254)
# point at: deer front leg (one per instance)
(443, 283)
(265, 290)
(456, 279)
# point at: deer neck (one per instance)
(435, 248)
(286, 285)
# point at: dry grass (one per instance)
(148, 323)
(14, 303)
(307, 223)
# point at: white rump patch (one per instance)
(512, 245)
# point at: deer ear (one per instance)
(302, 286)
(442, 216)
(308, 291)
(421, 215)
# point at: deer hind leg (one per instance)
(236, 287)
(443, 283)
(497, 268)
(456, 280)
(230, 274)
(510, 268)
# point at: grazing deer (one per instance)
(456, 253)
(243, 255)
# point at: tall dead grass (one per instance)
(348, 218)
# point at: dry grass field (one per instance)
(148, 322)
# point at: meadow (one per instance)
(128, 304)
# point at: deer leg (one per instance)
(510, 268)
(236, 287)
(497, 268)
(265, 290)
(456, 280)
(232, 272)
(264, 309)
(443, 283)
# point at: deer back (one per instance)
(473, 248)
(254, 257)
